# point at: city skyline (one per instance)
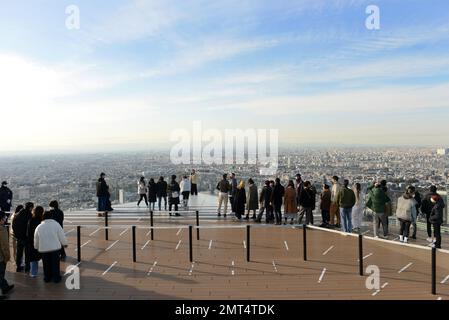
(135, 71)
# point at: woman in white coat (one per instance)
(357, 210)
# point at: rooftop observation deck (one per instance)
(219, 268)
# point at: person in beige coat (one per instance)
(290, 204)
(4, 255)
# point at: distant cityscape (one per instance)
(71, 178)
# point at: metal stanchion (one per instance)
(190, 243)
(134, 243)
(434, 270)
(78, 242)
(304, 241)
(248, 242)
(106, 224)
(360, 254)
(151, 222)
(197, 224)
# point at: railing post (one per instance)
(106, 225)
(190, 243)
(78, 242)
(360, 254)
(197, 224)
(151, 222)
(304, 240)
(248, 242)
(134, 244)
(434, 271)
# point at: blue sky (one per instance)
(137, 70)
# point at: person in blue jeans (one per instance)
(35, 256)
(346, 200)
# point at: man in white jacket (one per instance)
(49, 237)
(185, 187)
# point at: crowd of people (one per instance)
(341, 205)
(36, 234)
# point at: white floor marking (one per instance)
(365, 232)
(232, 272)
(191, 269)
(244, 244)
(395, 238)
(90, 235)
(210, 244)
(177, 246)
(68, 221)
(440, 298)
(146, 243)
(286, 245)
(148, 233)
(384, 285)
(375, 292)
(405, 267)
(108, 269)
(445, 279)
(274, 266)
(76, 249)
(179, 231)
(330, 248)
(151, 269)
(111, 245)
(367, 256)
(124, 231)
(71, 230)
(322, 275)
(73, 267)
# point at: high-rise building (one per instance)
(442, 152)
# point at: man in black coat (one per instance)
(265, 202)
(58, 215)
(161, 192)
(426, 208)
(5, 197)
(278, 195)
(20, 227)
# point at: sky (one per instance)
(135, 71)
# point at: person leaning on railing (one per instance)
(4, 256)
(405, 211)
(377, 203)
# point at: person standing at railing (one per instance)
(325, 206)
(233, 191)
(185, 191)
(173, 191)
(265, 202)
(13, 237)
(161, 191)
(306, 203)
(252, 199)
(58, 215)
(35, 256)
(142, 191)
(5, 197)
(278, 195)
(290, 204)
(357, 210)
(152, 193)
(346, 201)
(240, 200)
(103, 195)
(5, 256)
(223, 191)
(436, 218)
(426, 208)
(194, 183)
(335, 210)
(405, 211)
(20, 225)
(377, 200)
(417, 197)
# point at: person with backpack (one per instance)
(306, 203)
(405, 210)
(278, 195)
(58, 215)
(173, 190)
(152, 193)
(36, 219)
(20, 226)
(346, 200)
(161, 192)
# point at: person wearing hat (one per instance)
(5, 197)
(4, 256)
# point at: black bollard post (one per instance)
(304, 240)
(151, 222)
(106, 224)
(434, 271)
(197, 224)
(190, 243)
(248, 242)
(78, 242)
(134, 244)
(360, 254)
